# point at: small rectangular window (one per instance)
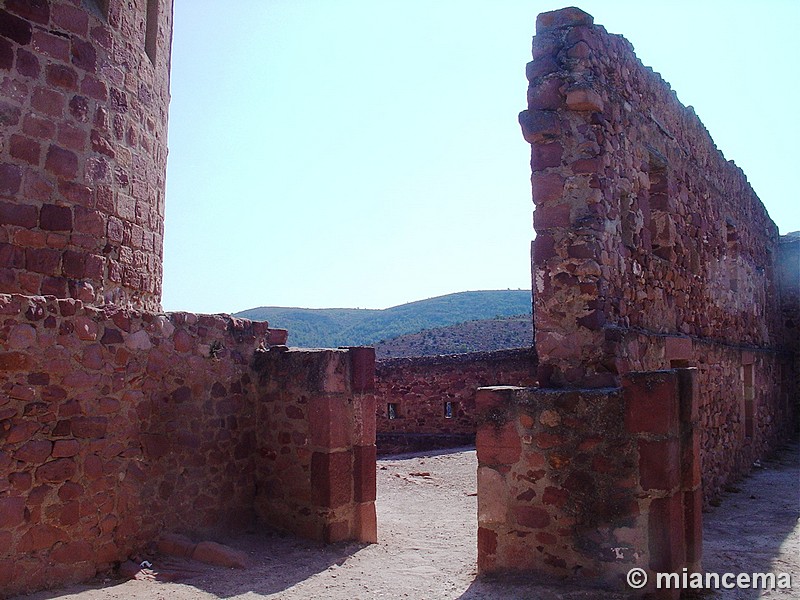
(749, 398)
(448, 410)
(151, 30)
(391, 410)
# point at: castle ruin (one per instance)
(665, 312)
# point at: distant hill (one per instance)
(333, 327)
(473, 336)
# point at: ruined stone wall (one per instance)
(84, 92)
(420, 387)
(645, 233)
(117, 426)
(316, 473)
(587, 484)
(641, 222)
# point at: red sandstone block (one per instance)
(689, 392)
(34, 451)
(362, 369)
(71, 19)
(10, 179)
(14, 28)
(691, 473)
(22, 215)
(218, 554)
(328, 423)
(6, 54)
(65, 448)
(366, 523)
(27, 63)
(89, 427)
(62, 76)
(21, 432)
(565, 17)
(555, 496)
(666, 534)
(37, 11)
(48, 102)
(546, 155)
(498, 445)
(364, 420)
(651, 402)
(72, 552)
(332, 478)
(174, 544)
(337, 531)
(584, 99)
(547, 216)
(693, 523)
(38, 127)
(538, 126)
(364, 473)
(277, 337)
(61, 163)
(25, 148)
(659, 464)
(489, 399)
(678, 348)
(546, 95)
(12, 512)
(41, 537)
(547, 187)
(531, 517)
(487, 550)
(56, 471)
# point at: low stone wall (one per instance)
(419, 390)
(589, 483)
(118, 425)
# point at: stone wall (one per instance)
(641, 222)
(118, 425)
(587, 484)
(420, 389)
(316, 472)
(648, 242)
(85, 94)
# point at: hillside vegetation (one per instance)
(333, 327)
(473, 336)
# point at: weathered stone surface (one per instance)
(220, 555)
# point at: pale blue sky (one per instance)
(366, 153)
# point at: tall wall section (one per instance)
(651, 249)
(84, 88)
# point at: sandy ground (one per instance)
(427, 550)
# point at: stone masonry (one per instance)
(119, 423)
(665, 320)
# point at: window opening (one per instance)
(448, 410)
(151, 30)
(391, 410)
(749, 397)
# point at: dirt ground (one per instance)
(427, 528)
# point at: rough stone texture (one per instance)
(590, 483)
(85, 93)
(118, 426)
(651, 249)
(316, 473)
(419, 388)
